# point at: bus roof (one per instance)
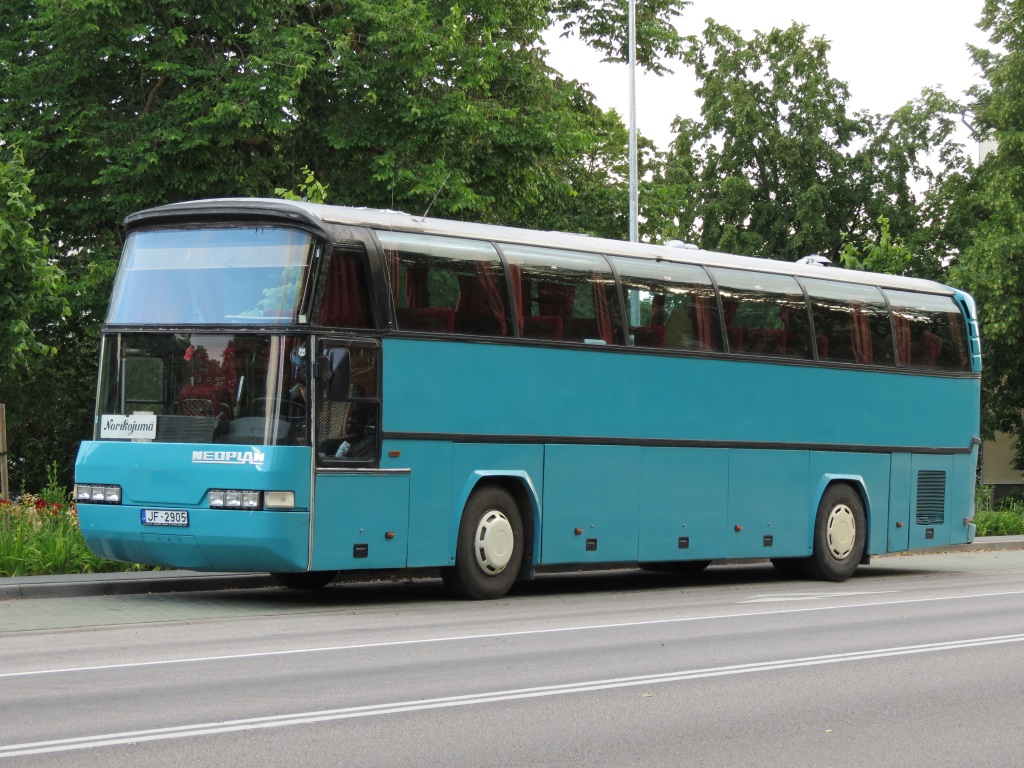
(396, 220)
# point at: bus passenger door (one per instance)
(360, 513)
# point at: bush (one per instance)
(1007, 520)
(40, 535)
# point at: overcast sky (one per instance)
(885, 50)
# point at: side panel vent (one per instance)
(931, 497)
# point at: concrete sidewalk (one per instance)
(146, 582)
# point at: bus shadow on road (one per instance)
(428, 588)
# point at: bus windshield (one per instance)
(204, 388)
(212, 276)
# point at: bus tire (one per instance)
(840, 535)
(489, 551)
(304, 579)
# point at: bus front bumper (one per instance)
(213, 540)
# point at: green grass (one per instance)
(1005, 519)
(38, 538)
(1008, 520)
(40, 535)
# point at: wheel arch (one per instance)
(522, 489)
(860, 487)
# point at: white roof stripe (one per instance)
(383, 219)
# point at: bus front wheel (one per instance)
(840, 532)
(489, 551)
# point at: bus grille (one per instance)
(931, 497)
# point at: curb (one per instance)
(156, 582)
(133, 583)
(983, 544)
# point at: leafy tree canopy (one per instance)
(992, 267)
(135, 104)
(604, 24)
(778, 167)
(119, 105)
(30, 286)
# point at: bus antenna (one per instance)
(436, 194)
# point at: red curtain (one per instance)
(343, 305)
(901, 327)
(601, 311)
(515, 274)
(556, 300)
(703, 321)
(394, 273)
(417, 287)
(658, 310)
(481, 296)
(860, 335)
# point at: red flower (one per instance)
(40, 503)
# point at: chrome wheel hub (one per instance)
(494, 542)
(841, 532)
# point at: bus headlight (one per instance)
(90, 493)
(280, 499)
(231, 499)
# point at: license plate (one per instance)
(176, 517)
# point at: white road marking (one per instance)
(785, 598)
(372, 710)
(492, 635)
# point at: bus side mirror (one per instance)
(336, 374)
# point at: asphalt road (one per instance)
(918, 660)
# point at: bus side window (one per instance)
(345, 302)
(930, 331)
(765, 314)
(347, 429)
(564, 295)
(676, 305)
(851, 322)
(445, 285)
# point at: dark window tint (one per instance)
(674, 304)
(347, 428)
(445, 285)
(764, 314)
(564, 295)
(929, 330)
(242, 389)
(345, 303)
(851, 323)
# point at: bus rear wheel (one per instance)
(489, 551)
(840, 535)
(304, 579)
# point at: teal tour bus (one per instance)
(306, 390)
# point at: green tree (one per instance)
(992, 267)
(887, 254)
(761, 172)
(908, 183)
(30, 285)
(604, 24)
(120, 105)
(778, 167)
